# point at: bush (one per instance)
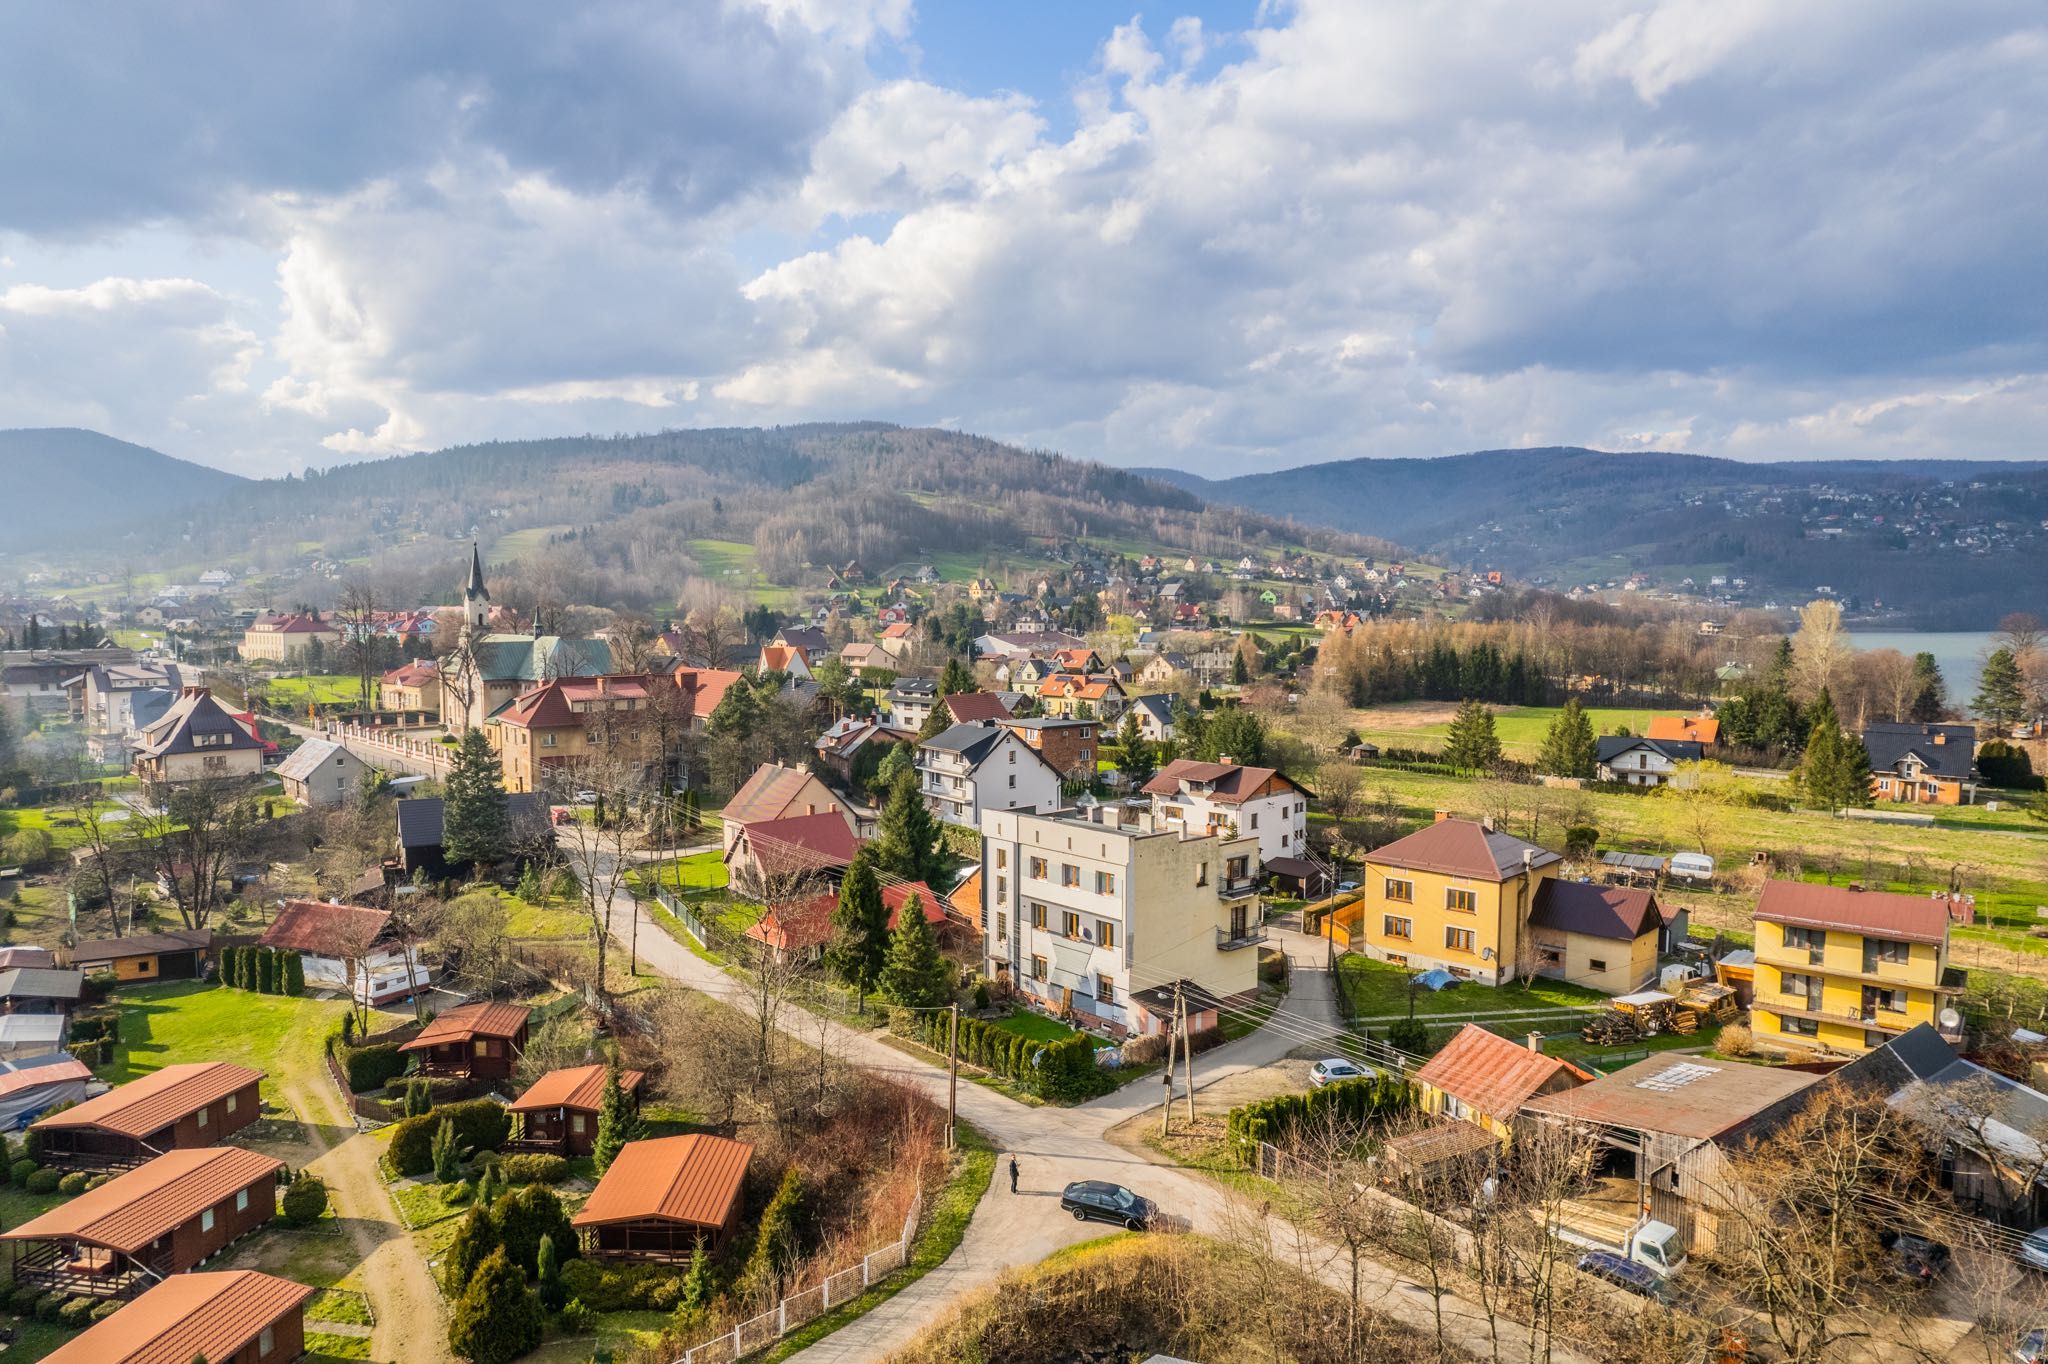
(305, 1200)
(96, 1181)
(22, 1301)
(524, 1217)
(92, 1054)
(98, 986)
(28, 848)
(497, 1318)
(529, 1168)
(44, 1181)
(480, 1124)
(2004, 764)
(370, 1068)
(1735, 1040)
(74, 1183)
(1580, 840)
(1357, 1102)
(1145, 1049)
(577, 1320)
(456, 1194)
(107, 1309)
(49, 1305)
(620, 1288)
(77, 1313)
(1409, 1034)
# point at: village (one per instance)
(463, 981)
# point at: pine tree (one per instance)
(497, 1318)
(1853, 768)
(907, 842)
(779, 1240)
(447, 1155)
(1134, 751)
(1472, 743)
(473, 826)
(2001, 691)
(1821, 771)
(1930, 694)
(955, 679)
(697, 1285)
(914, 974)
(616, 1122)
(860, 930)
(475, 1239)
(1569, 748)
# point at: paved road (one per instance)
(1055, 1146)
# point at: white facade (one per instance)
(1278, 821)
(382, 979)
(1001, 772)
(1638, 766)
(1084, 908)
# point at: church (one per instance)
(485, 670)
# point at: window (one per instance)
(1801, 1027)
(1105, 883)
(1013, 758)
(204, 1116)
(1037, 868)
(1070, 875)
(1401, 891)
(1887, 950)
(547, 741)
(1596, 964)
(1549, 956)
(1465, 901)
(1105, 989)
(206, 1220)
(1002, 887)
(266, 1341)
(1038, 916)
(1875, 1039)
(1002, 858)
(1458, 939)
(480, 1048)
(1013, 781)
(231, 1103)
(1070, 924)
(1255, 819)
(1283, 840)
(1105, 933)
(241, 1200)
(1807, 939)
(576, 1123)
(1002, 927)
(1038, 968)
(1201, 873)
(1396, 959)
(1394, 926)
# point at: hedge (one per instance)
(265, 970)
(1353, 1101)
(480, 1125)
(74, 1183)
(44, 1181)
(1064, 1070)
(368, 1068)
(533, 1168)
(77, 1313)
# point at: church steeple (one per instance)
(476, 598)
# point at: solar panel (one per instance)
(1677, 1077)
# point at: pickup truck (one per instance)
(1654, 1245)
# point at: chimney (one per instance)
(600, 685)
(1940, 738)
(1442, 815)
(1536, 1042)
(1486, 823)
(1528, 858)
(191, 691)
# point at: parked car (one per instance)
(586, 797)
(1915, 1257)
(1335, 1068)
(2032, 1347)
(1624, 1274)
(1096, 1200)
(1347, 885)
(2033, 1250)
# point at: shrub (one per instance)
(28, 848)
(1409, 1034)
(96, 1181)
(548, 1273)
(1735, 1040)
(98, 986)
(107, 1309)
(455, 1195)
(77, 1313)
(305, 1200)
(1580, 840)
(22, 1301)
(480, 1125)
(1065, 1071)
(1145, 1049)
(524, 1217)
(294, 974)
(1355, 1102)
(577, 1320)
(447, 1157)
(74, 1183)
(370, 1068)
(49, 1305)
(530, 1168)
(619, 1288)
(92, 1054)
(497, 1318)
(44, 1181)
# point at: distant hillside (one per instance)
(61, 480)
(1943, 542)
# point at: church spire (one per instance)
(475, 586)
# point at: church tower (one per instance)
(476, 598)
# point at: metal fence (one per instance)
(808, 1304)
(673, 903)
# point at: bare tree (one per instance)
(358, 614)
(104, 851)
(192, 833)
(710, 632)
(455, 666)
(597, 853)
(632, 641)
(1820, 648)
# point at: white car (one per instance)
(1335, 1068)
(2034, 1249)
(586, 797)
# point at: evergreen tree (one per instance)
(1472, 743)
(8, 749)
(697, 1285)
(955, 679)
(475, 1239)
(936, 723)
(1232, 732)
(907, 841)
(617, 1123)
(1853, 780)
(860, 930)
(295, 974)
(526, 1216)
(497, 1318)
(914, 975)
(1569, 747)
(1134, 751)
(447, 1155)
(2001, 691)
(1239, 673)
(1930, 694)
(549, 1274)
(1824, 772)
(473, 826)
(780, 1239)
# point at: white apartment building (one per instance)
(977, 766)
(1258, 802)
(1085, 908)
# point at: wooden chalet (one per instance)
(237, 1316)
(182, 1107)
(558, 1112)
(40, 990)
(180, 954)
(662, 1198)
(474, 1042)
(160, 1219)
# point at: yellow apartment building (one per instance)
(1455, 895)
(1848, 970)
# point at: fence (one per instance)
(673, 903)
(793, 1311)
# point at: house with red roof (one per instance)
(1483, 1078)
(802, 928)
(548, 730)
(349, 948)
(475, 1041)
(770, 857)
(285, 638)
(1843, 969)
(558, 1112)
(776, 791)
(784, 658)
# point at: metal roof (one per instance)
(187, 1317)
(1462, 847)
(1872, 913)
(1676, 1096)
(490, 1019)
(158, 1099)
(580, 1087)
(40, 982)
(693, 1179)
(131, 1210)
(1492, 1073)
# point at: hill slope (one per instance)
(62, 480)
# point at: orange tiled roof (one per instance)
(187, 1317)
(693, 1179)
(1491, 1073)
(156, 1100)
(129, 1211)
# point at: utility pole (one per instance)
(953, 1079)
(1166, 1106)
(1187, 1049)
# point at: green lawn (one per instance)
(62, 825)
(520, 544)
(559, 918)
(1599, 1059)
(1035, 1026)
(163, 1025)
(1379, 989)
(696, 873)
(1521, 728)
(327, 689)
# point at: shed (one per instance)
(27, 1035)
(39, 990)
(33, 1087)
(180, 954)
(474, 1041)
(1599, 936)
(1737, 970)
(558, 1112)
(161, 1218)
(180, 1107)
(236, 1316)
(11, 957)
(662, 1198)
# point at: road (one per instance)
(1055, 1146)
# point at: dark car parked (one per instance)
(1637, 1279)
(1915, 1257)
(1100, 1201)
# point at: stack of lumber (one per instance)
(1612, 1028)
(1703, 1003)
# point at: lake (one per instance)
(1959, 652)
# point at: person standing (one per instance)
(1013, 1174)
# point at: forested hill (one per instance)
(1948, 543)
(62, 482)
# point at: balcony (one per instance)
(1240, 889)
(1233, 940)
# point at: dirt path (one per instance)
(392, 1273)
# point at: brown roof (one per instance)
(576, 1087)
(1876, 913)
(1228, 783)
(975, 706)
(1460, 847)
(158, 1099)
(129, 1211)
(771, 793)
(412, 674)
(1701, 729)
(692, 1179)
(799, 844)
(143, 945)
(1492, 1073)
(326, 929)
(186, 1317)
(31, 1077)
(808, 923)
(1445, 1139)
(1677, 1095)
(1596, 911)
(471, 1020)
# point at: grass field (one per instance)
(326, 689)
(1379, 990)
(732, 563)
(1035, 1026)
(1423, 724)
(521, 544)
(163, 1025)
(61, 825)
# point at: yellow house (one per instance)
(1483, 1078)
(1602, 937)
(1455, 895)
(1849, 970)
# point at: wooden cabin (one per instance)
(180, 1107)
(142, 957)
(40, 990)
(239, 1316)
(474, 1042)
(661, 1199)
(558, 1112)
(159, 1219)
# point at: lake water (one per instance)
(1959, 652)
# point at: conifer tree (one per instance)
(497, 1318)
(1472, 743)
(860, 930)
(616, 1121)
(915, 974)
(1569, 748)
(1821, 771)
(473, 826)
(907, 843)
(2001, 690)
(1134, 750)
(780, 1239)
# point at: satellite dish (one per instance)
(1951, 1020)
(1486, 954)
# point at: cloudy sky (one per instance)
(1222, 236)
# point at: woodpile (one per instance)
(1631, 1019)
(1613, 1028)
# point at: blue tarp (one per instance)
(1436, 979)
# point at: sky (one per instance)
(1221, 237)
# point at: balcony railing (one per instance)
(1251, 935)
(1238, 889)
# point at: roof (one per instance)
(489, 1019)
(325, 929)
(186, 1317)
(130, 1210)
(806, 637)
(415, 674)
(1953, 756)
(800, 843)
(14, 1078)
(534, 658)
(575, 1087)
(420, 818)
(1461, 847)
(694, 1179)
(40, 982)
(772, 792)
(566, 702)
(1700, 729)
(971, 739)
(143, 945)
(1157, 999)
(308, 758)
(193, 714)
(24, 1028)
(1596, 911)
(1226, 783)
(1159, 704)
(156, 1100)
(1676, 1095)
(297, 623)
(1876, 913)
(1633, 861)
(1611, 746)
(914, 689)
(970, 706)
(11, 957)
(807, 923)
(1444, 1139)
(1071, 686)
(1492, 1073)
(778, 658)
